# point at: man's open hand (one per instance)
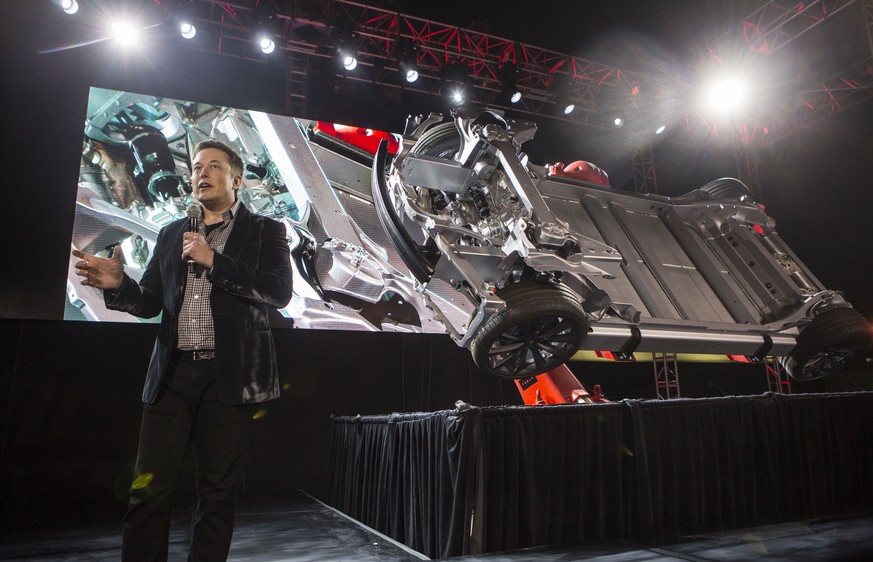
(101, 273)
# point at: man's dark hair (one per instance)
(237, 167)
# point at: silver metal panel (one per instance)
(303, 174)
(345, 174)
(435, 173)
(619, 288)
(671, 266)
(712, 269)
(645, 285)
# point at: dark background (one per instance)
(69, 391)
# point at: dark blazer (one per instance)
(252, 275)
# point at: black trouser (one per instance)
(188, 412)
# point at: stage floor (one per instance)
(304, 529)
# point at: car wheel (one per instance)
(410, 252)
(540, 328)
(441, 141)
(728, 188)
(830, 342)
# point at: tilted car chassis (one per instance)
(549, 264)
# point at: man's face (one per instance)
(213, 181)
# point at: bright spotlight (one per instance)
(660, 129)
(617, 122)
(409, 68)
(564, 104)
(726, 95)
(407, 60)
(458, 97)
(124, 33)
(187, 30)
(346, 53)
(69, 6)
(509, 76)
(267, 45)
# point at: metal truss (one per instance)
(775, 26)
(312, 28)
(666, 368)
(645, 178)
(779, 22)
(839, 92)
(777, 377)
(307, 30)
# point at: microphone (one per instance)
(194, 213)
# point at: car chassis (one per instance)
(547, 264)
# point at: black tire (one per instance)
(410, 252)
(441, 141)
(730, 189)
(541, 328)
(827, 344)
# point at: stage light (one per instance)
(124, 33)
(617, 122)
(455, 83)
(187, 30)
(350, 62)
(726, 95)
(266, 44)
(407, 60)
(510, 93)
(69, 6)
(347, 54)
(563, 104)
(660, 129)
(508, 76)
(265, 27)
(346, 49)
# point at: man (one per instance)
(213, 359)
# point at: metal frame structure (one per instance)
(446, 54)
(666, 368)
(313, 29)
(645, 178)
(778, 380)
(773, 27)
(307, 29)
(777, 23)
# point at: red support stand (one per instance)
(558, 386)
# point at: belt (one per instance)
(198, 354)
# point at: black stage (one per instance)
(304, 529)
(735, 478)
(474, 481)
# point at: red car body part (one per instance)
(580, 170)
(360, 137)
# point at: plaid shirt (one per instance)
(196, 329)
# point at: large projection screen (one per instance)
(312, 177)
